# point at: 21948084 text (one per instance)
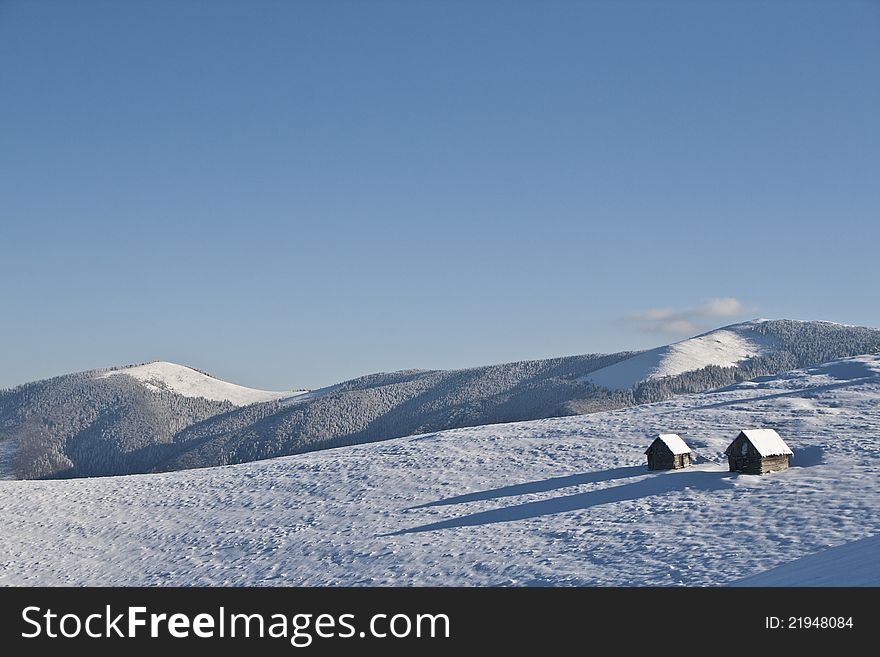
(808, 623)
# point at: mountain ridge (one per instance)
(191, 382)
(723, 347)
(94, 423)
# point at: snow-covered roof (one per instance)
(674, 442)
(767, 442)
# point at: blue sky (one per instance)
(292, 193)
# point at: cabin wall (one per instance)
(744, 464)
(665, 460)
(660, 461)
(748, 462)
(757, 465)
(775, 463)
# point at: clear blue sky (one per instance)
(292, 193)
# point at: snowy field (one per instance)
(553, 502)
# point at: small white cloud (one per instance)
(679, 327)
(724, 307)
(671, 327)
(691, 321)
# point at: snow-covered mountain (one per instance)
(161, 416)
(562, 501)
(189, 382)
(110, 421)
(725, 347)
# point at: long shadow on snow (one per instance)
(808, 457)
(657, 484)
(541, 486)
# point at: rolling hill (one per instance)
(189, 382)
(162, 417)
(560, 501)
(726, 347)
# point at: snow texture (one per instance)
(188, 382)
(723, 347)
(767, 442)
(850, 564)
(563, 501)
(674, 442)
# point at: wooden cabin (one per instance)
(758, 451)
(668, 452)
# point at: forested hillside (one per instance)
(82, 425)
(91, 424)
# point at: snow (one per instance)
(723, 347)
(767, 442)
(674, 442)
(850, 564)
(188, 382)
(562, 501)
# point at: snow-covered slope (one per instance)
(850, 564)
(723, 347)
(565, 501)
(135, 420)
(192, 383)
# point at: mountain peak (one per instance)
(191, 382)
(725, 347)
